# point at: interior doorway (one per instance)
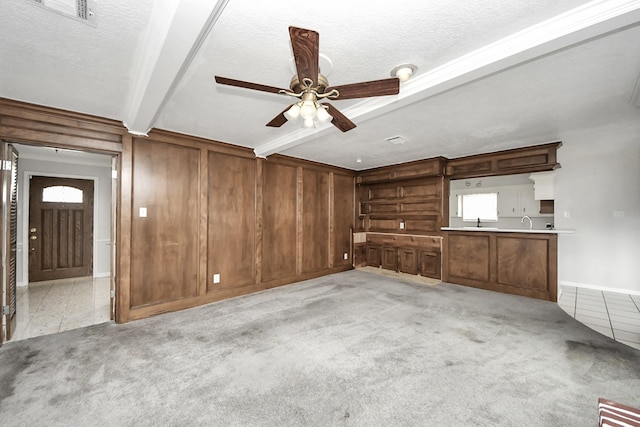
(66, 279)
(60, 228)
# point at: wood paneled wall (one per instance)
(211, 209)
(164, 244)
(231, 221)
(215, 210)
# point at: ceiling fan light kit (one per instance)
(309, 86)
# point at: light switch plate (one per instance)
(216, 278)
(143, 212)
(346, 255)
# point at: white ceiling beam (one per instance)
(176, 31)
(575, 26)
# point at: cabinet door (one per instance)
(508, 203)
(408, 261)
(373, 256)
(528, 204)
(430, 264)
(390, 258)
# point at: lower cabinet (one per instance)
(408, 261)
(515, 263)
(374, 255)
(390, 258)
(429, 263)
(405, 260)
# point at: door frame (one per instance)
(25, 218)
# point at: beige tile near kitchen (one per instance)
(55, 306)
(615, 315)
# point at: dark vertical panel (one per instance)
(165, 243)
(78, 235)
(63, 238)
(47, 240)
(315, 220)
(279, 221)
(343, 197)
(232, 221)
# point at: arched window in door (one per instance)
(62, 194)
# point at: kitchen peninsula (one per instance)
(515, 261)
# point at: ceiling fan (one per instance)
(309, 86)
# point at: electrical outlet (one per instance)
(402, 225)
(618, 214)
(567, 214)
(346, 255)
(216, 278)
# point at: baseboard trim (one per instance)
(598, 288)
(100, 275)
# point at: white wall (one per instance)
(102, 214)
(600, 174)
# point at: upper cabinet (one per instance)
(517, 202)
(420, 169)
(537, 158)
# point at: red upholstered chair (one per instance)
(612, 414)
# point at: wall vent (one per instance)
(80, 10)
(396, 140)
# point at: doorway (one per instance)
(66, 274)
(60, 228)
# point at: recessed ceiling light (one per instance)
(358, 160)
(396, 140)
(404, 71)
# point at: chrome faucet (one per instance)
(530, 222)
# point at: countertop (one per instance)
(508, 230)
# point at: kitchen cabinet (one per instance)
(517, 202)
(390, 258)
(408, 260)
(374, 255)
(429, 264)
(508, 203)
(520, 160)
(411, 254)
(515, 263)
(527, 203)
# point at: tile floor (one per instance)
(59, 305)
(612, 314)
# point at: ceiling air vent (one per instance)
(396, 140)
(80, 10)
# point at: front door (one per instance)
(60, 228)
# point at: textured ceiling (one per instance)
(491, 74)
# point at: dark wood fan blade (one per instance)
(279, 120)
(339, 120)
(305, 44)
(366, 89)
(246, 85)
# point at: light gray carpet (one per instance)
(352, 349)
